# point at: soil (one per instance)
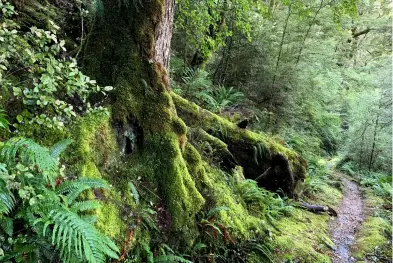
(345, 226)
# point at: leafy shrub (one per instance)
(41, 218)
(35, 73)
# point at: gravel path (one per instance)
(344, 227)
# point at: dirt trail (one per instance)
(344, 227)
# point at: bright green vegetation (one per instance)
(104, 157)
(41, 216)
(304, 235)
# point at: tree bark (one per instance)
(128, 48)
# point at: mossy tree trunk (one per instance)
(128, 48)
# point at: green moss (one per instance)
(239, 141)
(179, 126)
(221, 193)
(374, 231)
(371, 235)
(174, 180)
(327, 195)
(303, 236)
(109, 221)
(93, 148)
(94, 143)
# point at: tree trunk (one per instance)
(308, 32)
(128, 49)
(281, 46)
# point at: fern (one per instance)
(7, 199)
(71, 234)
(170, 259)
(52, 217)
(3, 121)
(72, 189)
(28, 152)
(215, 210)
(59, 147)
(7, 225)
(134, 192)
(85, 206)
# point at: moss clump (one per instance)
(303, 237)
(109, 221)
(93, 148)
(371, 235)
(95, 143)
(220, 192)
(374, 236)
(179, 126)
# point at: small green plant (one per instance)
(262, 202)
(42, 218)
(53, 90)
(3, 121)
(380, 183)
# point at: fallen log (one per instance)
(318, 208)
(254, 152)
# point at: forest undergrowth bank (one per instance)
(191, 131)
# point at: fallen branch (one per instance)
(318, 208)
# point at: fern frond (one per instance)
(7, 225)
(91, 219)
(215, 210)
(3, 121)
(85, 206)
(28, 152)
(74, 237)
(134, 192)
(93, 183)
(171, 259)
(72, 189)
(59, 147)
(21, 253)
(7, 201)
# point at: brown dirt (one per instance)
(345, 226)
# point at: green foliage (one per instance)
(3, 121)
(59, 147)
(35, 73)
(262, 202)
(40, 216)
(206, 24)
(197, 86)
(380, 183)
(26, 152)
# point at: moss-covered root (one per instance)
(253, 151)
(212, 148)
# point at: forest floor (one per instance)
(346, 225)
